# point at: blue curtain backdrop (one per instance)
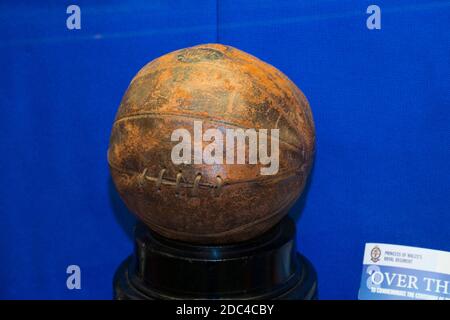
(380, 99)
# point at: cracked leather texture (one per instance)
(224, 88)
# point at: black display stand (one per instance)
(267, 267)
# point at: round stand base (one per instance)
(267, 267)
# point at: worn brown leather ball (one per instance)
(223, 88)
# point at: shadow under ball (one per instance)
(225, 88)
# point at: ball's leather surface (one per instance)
(225, 88)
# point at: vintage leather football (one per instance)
(219, 87)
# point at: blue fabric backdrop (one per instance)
(380, 99)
